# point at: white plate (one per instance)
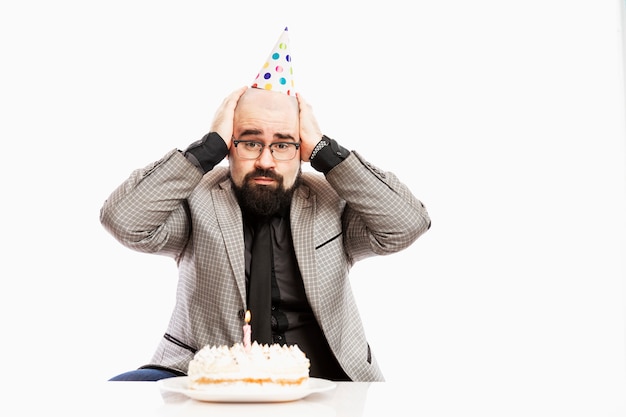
(246, 394)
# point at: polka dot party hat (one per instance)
(277, 74)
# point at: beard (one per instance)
(262, 200)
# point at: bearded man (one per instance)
(263, 236)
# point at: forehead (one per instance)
(266, 112)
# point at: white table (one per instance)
(349, 399)
(145, 399)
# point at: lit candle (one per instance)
(247, 332)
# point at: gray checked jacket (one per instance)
(355, 211)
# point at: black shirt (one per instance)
(293, 321)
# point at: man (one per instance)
(314, 227)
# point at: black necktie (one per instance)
(260, 289)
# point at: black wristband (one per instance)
(327, 154)
(207, 152)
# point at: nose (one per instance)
(265, 160)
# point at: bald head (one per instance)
(268, 113)
(271, 100)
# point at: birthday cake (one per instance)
(253, 365)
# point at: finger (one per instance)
(233, 98)
(302, 103)
(223, 118)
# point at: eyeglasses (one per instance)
(281, 151)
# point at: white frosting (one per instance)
(268, 363)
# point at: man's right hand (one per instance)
(224, 115)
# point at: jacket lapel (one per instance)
(231, 225)
(303, 232)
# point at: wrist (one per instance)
(207, 152)
(320, 145)
(327, 154)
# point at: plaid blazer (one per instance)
(170, 208)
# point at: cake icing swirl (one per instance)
(260, 364)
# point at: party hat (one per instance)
(277, 73)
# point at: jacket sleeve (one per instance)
(382, 216)
(148, 211)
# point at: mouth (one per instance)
(263, 180)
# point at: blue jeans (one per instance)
(147, 373)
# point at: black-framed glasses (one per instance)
(281, 151)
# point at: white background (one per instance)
(505, 118)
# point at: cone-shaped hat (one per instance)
(276, 74)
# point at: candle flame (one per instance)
(247, 318)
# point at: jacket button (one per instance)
(241, 314)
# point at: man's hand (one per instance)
(310, 132)
(224, 115)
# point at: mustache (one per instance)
(263, 173)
